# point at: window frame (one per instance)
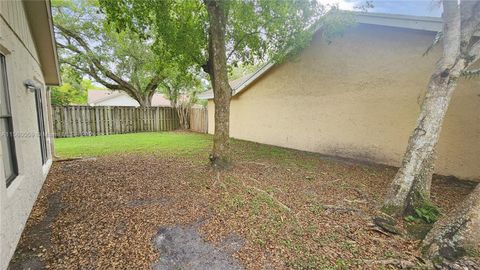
(42, 131)
(9, 120)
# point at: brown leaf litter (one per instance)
(298, 211)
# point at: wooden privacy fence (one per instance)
(74, 121)
(199, 120)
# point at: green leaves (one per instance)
(177, 28)
(257, 30)
(73, 89)
(428, 213)
(113, 53)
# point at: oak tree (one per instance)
(119, 60)
(182, 90)
(73, 89)
(216, 34)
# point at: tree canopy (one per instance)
(256, 31)
(119, 60)
(218, 34)
(73, 89)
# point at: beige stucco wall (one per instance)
(358, 97)
(17, 200)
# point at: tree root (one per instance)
(387, 224)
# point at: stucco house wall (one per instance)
(358, 97)
(23, 59)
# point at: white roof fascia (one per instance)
(432, 24)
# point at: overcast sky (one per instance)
(405, 7)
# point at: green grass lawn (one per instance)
(173, 143)
(180, 143)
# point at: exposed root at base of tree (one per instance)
(387, 224)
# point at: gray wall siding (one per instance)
(17, 200)
(13, 15)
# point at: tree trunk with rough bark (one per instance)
(183, 112)
(411, 186)
(455, 240)
(217, 69)
(145, 101)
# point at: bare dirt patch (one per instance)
(182, 247)
(283, 209)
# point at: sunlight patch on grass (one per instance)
(176, 143)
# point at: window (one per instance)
(41, 124)
(9, 157)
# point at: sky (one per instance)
(430, 8)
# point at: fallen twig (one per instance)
(380, 231)
(355, 201)
(270, 196)
(402, 264)
(256, 163)
(273, 198)
(258, 182)
(340, 208)
(217, 180)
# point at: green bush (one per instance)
(428, 213)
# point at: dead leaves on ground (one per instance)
(290, 216)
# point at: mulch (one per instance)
(307, 213)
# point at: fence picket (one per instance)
(73, 121)
(198, 120)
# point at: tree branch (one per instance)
(98, 65)
(451, 33)
(235, 47)
(153, 84)
(91, 72)
(69, 47)
(473, 54)
(470, 12)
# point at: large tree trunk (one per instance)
(144, 103)
(456, 237)
(217, 69)
(411, 185)
(145, 100)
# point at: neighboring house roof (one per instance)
(432, 24)
(98, 96)
(239, 84)
(39, 18)
(95, 96)
(158, 100)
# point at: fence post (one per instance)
(72, 121)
